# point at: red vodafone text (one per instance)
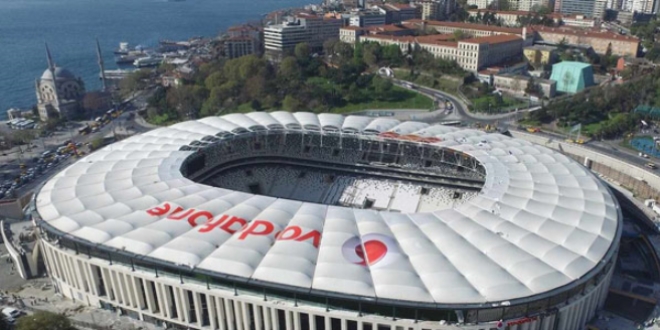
(231, 224)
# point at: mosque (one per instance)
(59, 92)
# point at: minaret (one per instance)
(51, 67)
(101, 66)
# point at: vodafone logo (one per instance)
(372, 250)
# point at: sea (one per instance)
(70, 28)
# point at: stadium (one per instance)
(319, 221)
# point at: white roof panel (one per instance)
(540, 221)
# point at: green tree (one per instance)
(372, 53)
(291, 104)
(382, 88)
(290, 70)
(44, 321)
(459, 35)
(302, 51)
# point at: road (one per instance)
(460, 109)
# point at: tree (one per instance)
(302, 51)
(96, 101)
(382, 88)
(44, 321)
(459, 35)
(291, 104)
(329, 46)
(371, 53)
(290, 70)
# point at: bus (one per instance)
(451, 123)
(85, 130)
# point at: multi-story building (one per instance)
(644, 6)
(481, 4)
(469, 29)
(397, 12)
(519, 84)
(243, 40)
(470, 54)
(540, 55)
(512, 17)
(600, 41)
(282, 38)
(437, 9)
(591, 8)
(364, 18)
(352, 34)
(240, 46)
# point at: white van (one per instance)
(10, 312)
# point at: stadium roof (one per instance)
(541, 221)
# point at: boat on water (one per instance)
(148, 61)
(123, 49)
(130, 57)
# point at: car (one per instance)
(651, 166)
(11, 312)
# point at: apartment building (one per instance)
(352, 34)
(519, 84)
(281, 39)
(540, 54)
(591, 8)
(397, 12)
(600, 41)
(365, 18)
(512, 17)
(437, 9)
(240, 46)
(481, 4)
(243, 40)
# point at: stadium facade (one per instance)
(130, 228)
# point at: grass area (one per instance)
(401, 99)
(496, 104)
(443, 84)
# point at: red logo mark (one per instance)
(372, 249)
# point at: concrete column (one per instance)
(93, 279)
(182, 304)
(198, 307)
(213, 313)
(165, 300)
(296, 320)
(220, 309)
(287, 319)
(149, 294)
(328, 323)
(169, 302)
(122, 288)
(116, 288)
(312, 321)
(238, 314)
(229, 314)
(245, 312)
(268, 320)
(108, 284)
(258, 320)
(360, 325)
(275, 319)
(81, 273)
(130, 290)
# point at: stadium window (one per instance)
(173, 312)
(351, 325)
(367, 326)
(335, 323)
(143, 303)
(304, 321)
(320, 322)
(281, 319)
(192, 315)
(152, 287)
(205, 310)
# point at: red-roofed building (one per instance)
(600, 41)
(471, 54)
(243, 40)
(470, 29)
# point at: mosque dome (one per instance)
(60, 74)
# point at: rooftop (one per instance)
(467, 26)
(584, 32)
(500, 38)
